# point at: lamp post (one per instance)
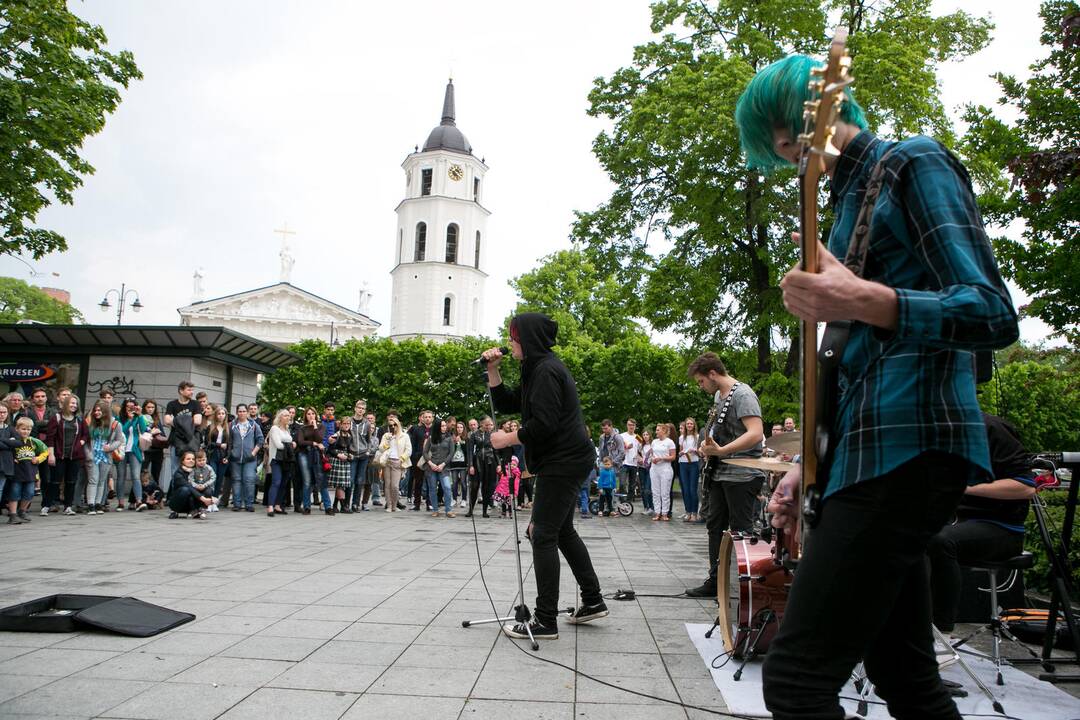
(121, 296)
(34, 272)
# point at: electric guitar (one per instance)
(819, 121)
(712, 462)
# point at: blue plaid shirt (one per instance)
(912, 390)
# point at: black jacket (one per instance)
(552, 426)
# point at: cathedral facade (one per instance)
(438, 275)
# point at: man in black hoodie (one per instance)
(559, 451)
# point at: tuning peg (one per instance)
(811, 105)
(805, 138)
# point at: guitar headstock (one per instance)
(820, 112)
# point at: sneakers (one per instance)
(142, 506)
(44, 511)
(68, 511)
(450, 515)
(706, 590)
(213, 508)
(539, 631)
(588, 613)
(23, 516)
(173, 515)
(462, 504)
(14, 520)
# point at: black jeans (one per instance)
(482, 484)
(964, 542)
(861, 592)
(555, 501)
(731, 505)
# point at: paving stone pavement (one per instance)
(354, 616)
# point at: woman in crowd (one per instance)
(339, 450)
(525, 489)
(155, 455)
(660, 472)
(105, 439)
(183, 498)
(309, 458)
(396, 447)
(438, 449)
(132, 424)
(644, 478)
(280, 446)
(459, 482)
(217, 452)
(689, 468)
(67, 438)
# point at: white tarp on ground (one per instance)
(1022, 696)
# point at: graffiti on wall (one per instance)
(117, 385)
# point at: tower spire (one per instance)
(448, 105)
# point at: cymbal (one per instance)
(761, 464)
(788, 443)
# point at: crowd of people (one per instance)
(193, 457)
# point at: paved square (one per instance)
(353, 616)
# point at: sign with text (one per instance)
(25, 372)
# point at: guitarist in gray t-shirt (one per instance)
(735, 430)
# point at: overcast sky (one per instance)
(256, 113)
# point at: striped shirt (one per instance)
(912, 390)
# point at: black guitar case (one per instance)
(75, 613)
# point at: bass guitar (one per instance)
(819, 122)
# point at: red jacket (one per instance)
(54, 437)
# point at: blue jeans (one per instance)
(277, 473)
(645, 483)
(304, 464)
(689, 472)
(221, 469)
(243, 479)
(443, 478)
(129, 472)
(583, 498)
(359, 479)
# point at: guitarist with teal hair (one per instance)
(922, 292)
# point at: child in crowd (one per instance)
(152, 495)
(28, 453)
(608, 480)
(204, 479)
(507, 489)
(184, 499)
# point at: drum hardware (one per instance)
(761, 623)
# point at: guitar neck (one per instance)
(808, 240)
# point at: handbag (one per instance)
(146, 440)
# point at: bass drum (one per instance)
(752, 591)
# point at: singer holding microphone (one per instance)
(560, 453)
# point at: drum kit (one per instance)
(754, 575)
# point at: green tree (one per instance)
(567, 287)
(21, 301)
(1041, 401)
(673, 153)
(1030, 171)
(57, 84)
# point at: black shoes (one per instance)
(705, 590)
(539, 630)
(588, 613)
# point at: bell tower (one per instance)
(441, 243)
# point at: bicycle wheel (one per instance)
(594, 507)
(625, 509)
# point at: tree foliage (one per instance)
(687, 220)
(57, 84)
(1030, 171)
(1040, 400)
(21, 301)
(568, 288)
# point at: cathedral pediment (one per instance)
(277, 303)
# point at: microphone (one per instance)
(483, 361)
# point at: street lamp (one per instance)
(34, 272)
(121, 296)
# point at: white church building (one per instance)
(438, 276)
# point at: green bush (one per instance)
(1040, 400)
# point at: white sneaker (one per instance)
(44, 511)
(142, 506)
(68, 511)
(462, 503)
(213, 508)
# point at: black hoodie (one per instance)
(552, 427)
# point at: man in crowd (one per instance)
(628, 470)
(39, 412)
(737, 432)
(184, 416)
(921, 291)
(417, 435)
(362, 440)
(329, 423)
(612, 444)
(789, 424)
(374, 473)
(245, 443)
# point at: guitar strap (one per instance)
(834, 339)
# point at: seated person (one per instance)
(989, 521)
(183, 498)
(203, 479)
(151, 492)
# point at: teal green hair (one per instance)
(774, 99)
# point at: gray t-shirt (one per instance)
(744, 403)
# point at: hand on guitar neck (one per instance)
(836, 293)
